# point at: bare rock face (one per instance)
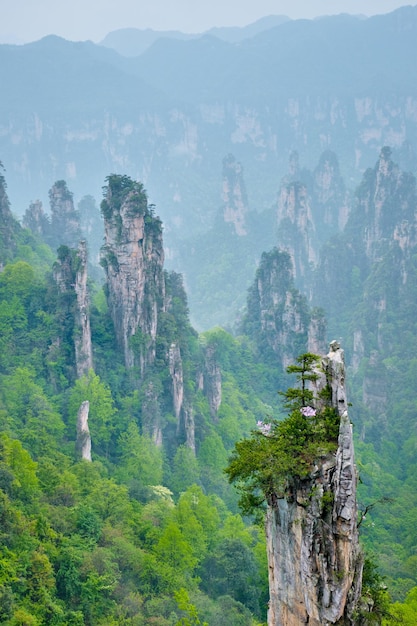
(83, 432)
(70, 274)
(212, 381)
(316, 339)
(36, 219)
(278, 315)
(295, 227)
(177, 378)
(151, 412)
(235, 201)
(82, 339)
(65, 223)
(189, 426)
(133, 257)
(332, 205)
(315, 561)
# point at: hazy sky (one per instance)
(28, 20)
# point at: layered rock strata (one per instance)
(70, 274)
(235, 201)
(133, 257)
(314, 557)
(278, 315)
(83, 432)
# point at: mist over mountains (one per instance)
(173, 113)
(281, 159)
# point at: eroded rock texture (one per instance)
(83, 432)
(70, 274)
(65, 223)
(278, 316)
(133, 258)
(235, 201)
(315, 562)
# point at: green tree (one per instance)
(191, 614)
(277, 455)
(141, 460)
(101, 413)
(35, 420)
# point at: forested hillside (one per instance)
(145, 529)
(148, 529)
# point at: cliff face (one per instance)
(331, 201)
(82, 340)
(83, 444)
(296, 230)
(312, 206)
(65, 225)
(148, 307)
(70, 274)
(212, 378)
(36, 220)
(133, 257)
(8, 225)
(315, 562)
(235, 201)
(278, 315)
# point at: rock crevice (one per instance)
(315, 561)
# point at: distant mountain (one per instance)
(235, 34)
(77, 111)
(132, 42)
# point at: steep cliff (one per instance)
(8, 225)
(65, 224)
(366, 275)
(83, 443)
(133, 257)
(295, 227)
(212, 380)
(331, 201)
(314, 557)
(278, 316)
(36, 220)
(70, 274)
(235, 201)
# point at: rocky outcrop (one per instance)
(314, 557)
(133, 257)
(83, 432)
(151, 411)
(82, 336)
(235, 201)
(295, 227)
(278, 317)
(177, 378)
(330, 199)
(189, 426)
(70, 274)
(316, 339)
(36, 220)
(65, 224)
(212, 378)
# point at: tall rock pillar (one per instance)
(70, 273)
(314, 557)
(133, 257)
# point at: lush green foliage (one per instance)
(128, 538)
(278, 455)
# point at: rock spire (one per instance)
(83, 432)
(133, 257)
(314, 557)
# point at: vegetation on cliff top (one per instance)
(280, 454)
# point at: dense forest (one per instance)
(147, 530)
